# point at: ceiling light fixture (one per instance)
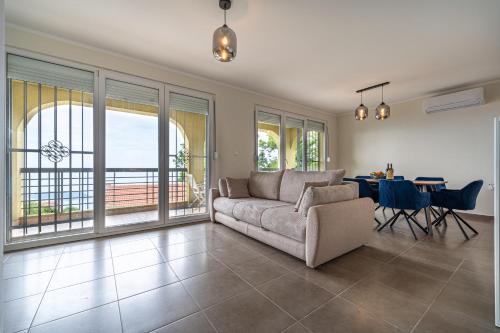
(383, 111)
(361, 111)
(224, 41)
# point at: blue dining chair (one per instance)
(463, 199)
(434, 188)
(402, 195)
(366, 191)
(363, 177)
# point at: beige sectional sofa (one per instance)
(329, 220)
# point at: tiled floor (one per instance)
(208, 278)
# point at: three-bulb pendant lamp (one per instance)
(224, 41)
(383, 111)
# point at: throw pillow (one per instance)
(237, 188)
(305, 187)
(223, 187)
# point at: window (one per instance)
(288, 141)
(294, 147)
(268, 141)
(315, 146)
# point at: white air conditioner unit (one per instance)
(456, 100)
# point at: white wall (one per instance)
(457, 145)
(234, 107)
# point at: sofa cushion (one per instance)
(305, 187)
(315, 196)
(226, 205)
(237, 188)
(251, 211)
(293, 181)
(286, 222)
(265, 185)
(223, 187)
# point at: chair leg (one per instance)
(442, 212)
(395, 220)
(409, 224)
(440, 219)
(464, 222)
(414, 220)
(377, 208)
(395, 217)
(393, 211)
(460, 225)
(378, 222)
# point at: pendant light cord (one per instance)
(224, 17)
(361, 97)
(382, 94)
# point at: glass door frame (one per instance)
(210, 145)
(43, 239)
(100, 171)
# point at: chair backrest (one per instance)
(402, 194)
(470, 193)
(435, 187)
(399, 177)
(365, 190)
(363, 177)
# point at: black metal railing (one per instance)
(52, 196)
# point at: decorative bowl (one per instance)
(377, 175)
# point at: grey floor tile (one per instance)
(26, 285)
(120, 249)
(144, 279)
(193, 323)
(68, 276)
(194, 265)
(248, 312)
(213, 287)
(386, 303)
(234, 255)
(84, 256)
(103, 319)
(296, 328)
(259, 270)
(19, 313)
(182, 250)
(156, 308)
(66, 301)
(166, 239)
(330, 276)
(32, 266)
(295, 295)
(341, 316)
(137, 260)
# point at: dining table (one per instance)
(423, 186)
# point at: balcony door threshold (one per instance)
(74, 237)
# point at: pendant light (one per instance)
(361, 111)
(224, 40)
(383, 111)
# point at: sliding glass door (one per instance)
(188, 148)
(50, 162)
(97, 151)
(132, 153)
(315, 147)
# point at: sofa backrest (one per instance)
(293, 182)
(265, 185)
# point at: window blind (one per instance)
(179, 102)
(294, 123)
(132, 93)
(268, 118)
(315, 126)
(37, 71)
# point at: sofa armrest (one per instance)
(212, 195)
(337, 228)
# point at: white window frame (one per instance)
(283, 116)
(100, 74)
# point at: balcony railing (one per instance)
(65, 196)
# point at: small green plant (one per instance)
(182, 161)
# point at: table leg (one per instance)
(428, 220)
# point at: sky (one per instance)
(131, 139)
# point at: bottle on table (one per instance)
(390, 172)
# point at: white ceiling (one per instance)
(314, 52)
